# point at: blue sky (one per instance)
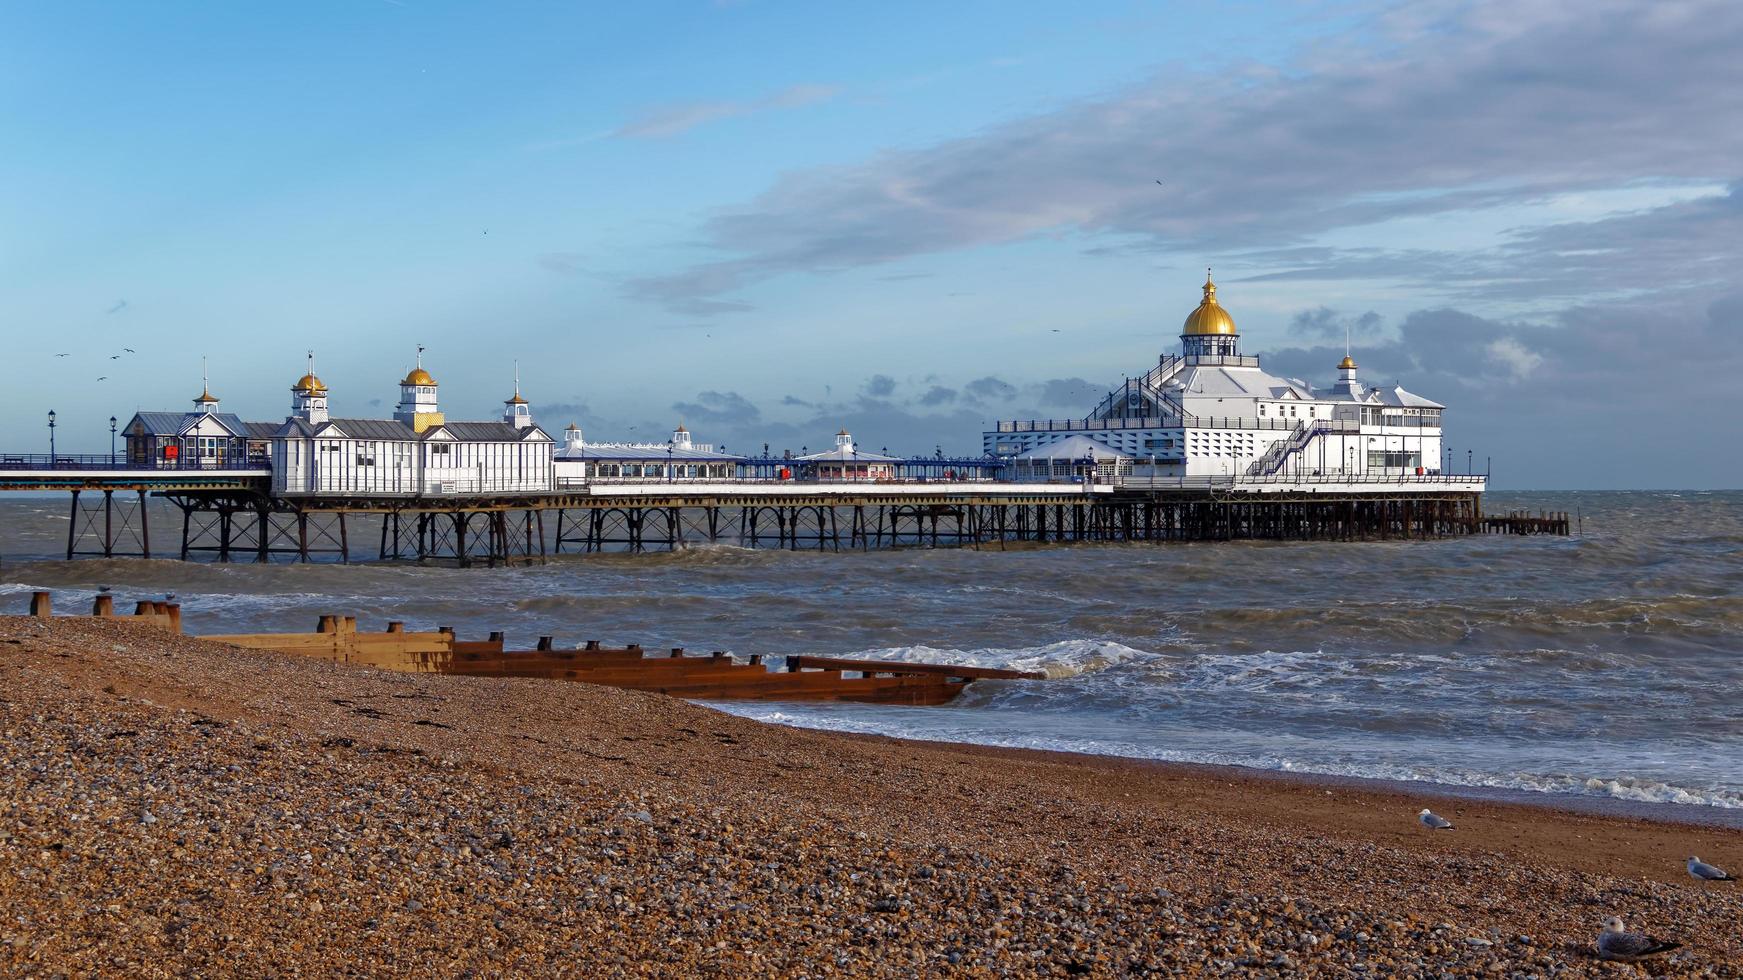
(772, 219)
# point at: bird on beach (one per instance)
(1433, 822)
(1617, 943)
(1706, 872)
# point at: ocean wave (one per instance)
(903, 725)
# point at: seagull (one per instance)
(63, 355)
(114, 357)
(1706, 872)
(104, 378)
(129, 350)
(102, 588)
(1432, 822)
(1617, 943)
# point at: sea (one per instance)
(1607, 665)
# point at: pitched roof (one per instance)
(385, 430)
(492, 432)
(260, 430)
(1074, 448)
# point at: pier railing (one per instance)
(103, 461)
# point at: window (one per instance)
(365, 460)
(440, 450)
(1261, 408)
(1393, 460)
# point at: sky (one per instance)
(770, 220)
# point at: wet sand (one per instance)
(170, 807)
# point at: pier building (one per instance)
(679, 458)
(418, 452)
(1211, 411)
(848, 462)
(203, 437)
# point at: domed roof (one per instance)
(1210, 317)
(205, 397)
(516, 400)
(419, 376)
(310, 384)
(1346, 364)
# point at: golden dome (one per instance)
(205, 396)
(1210, 317)
(1346, 364)
(419, 376)
(516, 400)
(310, 384)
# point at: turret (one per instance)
(573, 443)
(1347, 386)
(516, 411)
(417, 398)
(844, 440)
(309, 396)
(681, 437)
(205, 404)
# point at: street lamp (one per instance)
(51, 455)
(668, 461)
(1469, 461)
(111, 442)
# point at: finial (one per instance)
(311, 362)
(1209, 286)
(517, 377)
(420, 355)
(205, 379)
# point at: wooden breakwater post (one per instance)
(165, 614)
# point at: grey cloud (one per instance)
(988, 388)
(1479, 108)
(938, 395)
(719, 408)
(662, 122)
(880, 386)
(1070, 391)
(1326, 324)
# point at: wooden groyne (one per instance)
(716, 676)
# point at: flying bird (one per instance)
(63, 355)
(104, 378)
(129, 350)
(118, 307)
(1433, 822)
(1617, 943)
(114, 357)
(1706, 872)
(1159, 183)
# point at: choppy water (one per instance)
(1605, 665)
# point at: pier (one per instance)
(231, 515)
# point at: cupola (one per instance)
(417, 398)
(1209, 329)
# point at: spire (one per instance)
(205, 401)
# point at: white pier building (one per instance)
(418, 452)
(1212, 411)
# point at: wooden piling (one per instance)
(41, 605)
(103, 605)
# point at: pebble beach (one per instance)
(170, 807)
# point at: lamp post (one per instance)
(111, 442)
(51, 454)
(1469, 461)
(668, 461)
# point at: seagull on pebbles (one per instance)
(1433, 822)
(1706, 872)
(1617, 943)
